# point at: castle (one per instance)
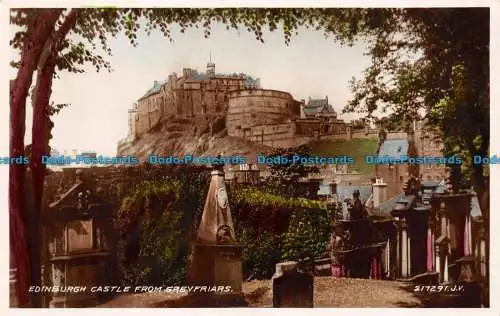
(270, 117)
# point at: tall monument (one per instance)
(215, 254)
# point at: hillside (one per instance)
(208, 136)
(195, 136)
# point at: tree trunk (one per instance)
(483, 194)
(40, 137)
(37, 34)
(39, 148)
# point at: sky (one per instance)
(310, 66)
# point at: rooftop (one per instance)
(317, 106)
(429, 188)
(249, 81)
(394, 148)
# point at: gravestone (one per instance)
(216, 256)
(292, 288)
(77, 226)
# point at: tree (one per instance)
(46, 46)
(285, 176)
(447, 74)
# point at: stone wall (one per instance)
(259, 107)
(148, 113)
(185, 96)
(362, 134)
(277, 135)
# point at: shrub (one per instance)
(272, 228)
(156, 221)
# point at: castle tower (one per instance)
(211, 68)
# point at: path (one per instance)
(328, 292)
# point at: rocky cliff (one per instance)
(196, 136)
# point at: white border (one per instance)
(495, 148)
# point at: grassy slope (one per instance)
(356, 148)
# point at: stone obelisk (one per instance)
(215, 254)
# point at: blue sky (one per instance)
(311, 66)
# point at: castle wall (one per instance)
(149, 111)
(185, 97)
(258, 107)
(372, 133)
(320, 126)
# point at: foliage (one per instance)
(460, 175)
(261, 252)
(261, 198)
(272, 228)
(150, 210)
(432, 63)
(95, 26)
(284, 177)
(308, 234)
(156, 221)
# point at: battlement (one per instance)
(260, 93)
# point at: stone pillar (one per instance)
(404, 249)
(448, 229)
(470, 234)
(215, 254)
(387, 268)
(409, 254)
(398, 249)
(429, 250)
(431, 247)
(58, 298)
(444, 225)
(445, 272)
(442, 249)
(467, 237)
(482, 257)
(379, 192)
(437, 261)
(433, 239)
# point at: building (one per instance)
(429, 144)
(269, 117)
(317, 108)
(189, 95)
(423, 143)
(274, 118)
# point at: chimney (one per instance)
(379, 192)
